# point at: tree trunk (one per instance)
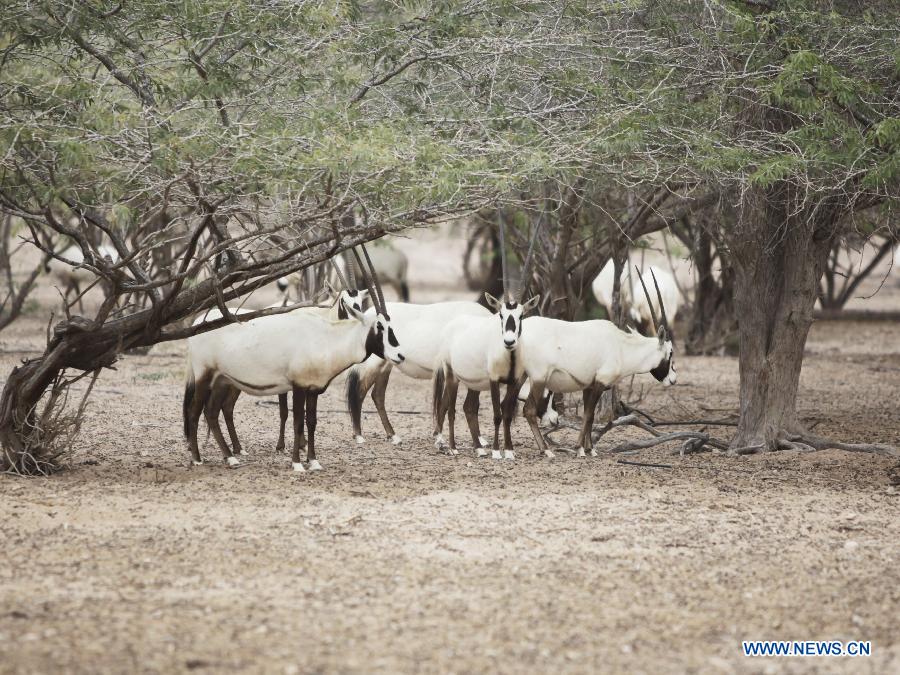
(779, 259)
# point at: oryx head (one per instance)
(665, 371)
(510, 310)
(511, 313)
(381, 339)
(351, 299)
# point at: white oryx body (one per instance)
(480, 352)
(634, 300)
(299, 351)
(224, 396)
(424, 331)
(590, 356)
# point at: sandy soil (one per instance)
(404, 560)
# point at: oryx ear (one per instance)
(494, 303)
(661, 334)
(531, 304)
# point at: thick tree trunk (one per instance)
(779, 259)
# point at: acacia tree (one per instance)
(217, 147)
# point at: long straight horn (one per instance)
(529, 259)
(372, 295)
(340, 274)
(662, 306)
(503, 266)
(375, 280)
(350, 266)
(647, 295)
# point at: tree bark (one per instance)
(779, 255)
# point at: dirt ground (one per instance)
(406, 560)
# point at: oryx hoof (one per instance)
(298, 467)
(580, 452)
(495, 454)
(509, 454)
(549, 454)
(395, 440)
(233, 461)
(279, 446)
(452, 451)
(243, 452)
(360, 440)
(439, 441)
(196, 462)
(480, 452)
(593, 452)
(484, 442)
(315, 466)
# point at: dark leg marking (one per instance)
(378, 392)
(470, 408)
(282, 420)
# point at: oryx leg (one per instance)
(312, 401)
(193, 409)
(211, 410)
(509, 411)
(470, 407)
(591, 395)
(299, 401)
(228, 414)
(378, 391)
(449, 406)
(530, 412)
(498, 417)
(282, 420)
(438, 405)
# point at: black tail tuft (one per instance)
(404, 291)
(189, 389)
(355, 400)
(438, 391)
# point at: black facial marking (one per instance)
(662, 370)
(511, 305)
(352, 294)
(392, 339)
(342, 312)
(374, 343)
(510, 323)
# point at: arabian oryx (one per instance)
(423, 328)
(636, 304)
(297, 351)
(481, 353)
(223, 396)
(590, 356)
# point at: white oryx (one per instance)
(297, 351)
(423, 328)
(590, 356)
(635, 303)
(223, 396)
(480, 352)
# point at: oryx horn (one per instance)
(662, 306)
(340, 274)
(503, 266)
(529, 259)
(647, 295)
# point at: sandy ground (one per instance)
(406, 560)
